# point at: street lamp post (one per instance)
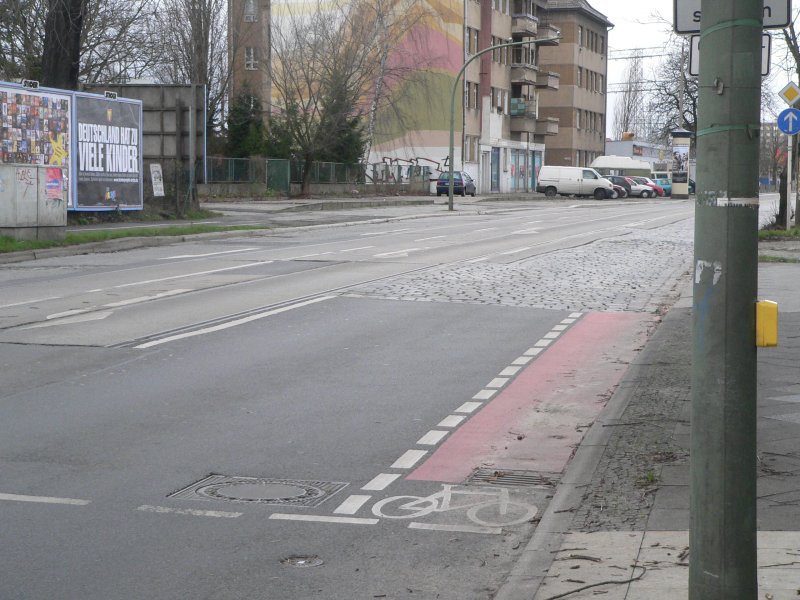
(453, 101)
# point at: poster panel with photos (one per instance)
(35, 130)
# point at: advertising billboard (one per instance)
(108, 158)
(35, 131)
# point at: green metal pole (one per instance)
(453, 102)
(723, 440)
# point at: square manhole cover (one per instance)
(258, 490)
(513, 478)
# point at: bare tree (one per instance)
(334, 64)
(114, 37)
(117, 42)
(628, 109)
(22, 38)
(193, 43)
(674, 102)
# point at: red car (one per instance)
(650, 183)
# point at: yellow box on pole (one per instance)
(766, 324)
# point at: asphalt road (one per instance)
(236, 418)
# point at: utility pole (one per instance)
(723, 447)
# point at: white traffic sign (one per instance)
(789, 121)
(790, 93)
(694, 54)
(777, 14)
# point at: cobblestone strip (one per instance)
(631, 272)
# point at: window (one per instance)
(579, 82)
(250, 10)
(580, 36)
(471, 95)
(577, 118)
(471, 41)
(250, 59)
(471, 148)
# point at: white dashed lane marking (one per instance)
(432, 438)
(220, 514)
(43, 499)
(352, 505)
(380, 482)
(409, 459)
(323, 519)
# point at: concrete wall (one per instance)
(27, 212)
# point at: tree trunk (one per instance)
(62, 44)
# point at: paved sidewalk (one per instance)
(617, 527)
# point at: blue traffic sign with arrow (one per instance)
(789, 121)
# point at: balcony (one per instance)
(524, 123)
(525, 74)
(524, 24)
(547, 126)
(546, 30)
(547, 80)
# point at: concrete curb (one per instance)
(133, 243)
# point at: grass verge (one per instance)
(8, 244)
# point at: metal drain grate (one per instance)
(257, 490)
(512, 478)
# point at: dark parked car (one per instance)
(619, 191)
(621, 181)
(462, 184)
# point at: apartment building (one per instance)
(514, 114)
(504, 138)
(580, 103)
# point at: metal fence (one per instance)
(230, 170)
(280, 175)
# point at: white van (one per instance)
(576, 181)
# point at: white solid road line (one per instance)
(380, 482)
(409, 459)
(210, 253)
(456, 528)
(321, 519)
(230, 324)
(189, 511)
(195, 274)
(145, 298)
(359, 248)
(396, 253)
(435, 237)
(24, 302)
(352, 505)
(43, 499)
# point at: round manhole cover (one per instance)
(302, 561)
(259, 491)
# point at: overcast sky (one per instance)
(646, 24)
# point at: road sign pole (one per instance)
(723, 420)
(789, 177)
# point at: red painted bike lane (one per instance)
(538, 420)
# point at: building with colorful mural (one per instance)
(502, 131)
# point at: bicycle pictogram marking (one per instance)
(489, 507)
